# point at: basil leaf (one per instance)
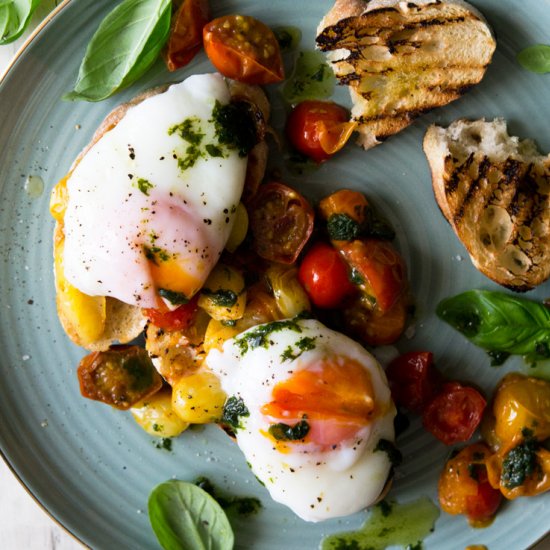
(185, 517)
(535, 58)
(14, 18)
(126, 44)
(496, 321)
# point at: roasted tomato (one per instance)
(281, 221)
(521, 428)
(521, 403)
(464, 489)
(414, 380)
(454, 413)
(185, 40)
(178, 319)
(121, 376)
(380, 268)
(324, 275)
(318, 129)
(244, 49)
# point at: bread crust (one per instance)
(494, 190)
(401, 59)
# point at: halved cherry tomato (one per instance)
(464, 489)
(351, 203)
(244, 49)
(121, 376)
(381, 268)
(318, 129)
(185, 39)
(414, 380)
(281, 221)
(454, 413)
(324, 275)
(178, 319)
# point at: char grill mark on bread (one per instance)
(494, 190)
(403, 59)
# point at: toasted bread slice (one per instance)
(401, 59)
(494, 190)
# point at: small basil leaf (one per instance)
(496, 321)
(124, 47)
(14, 18)
(535, 58)
(185, 517)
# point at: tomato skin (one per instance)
(454, 413)
(281, 221)
(463, 487)
(414, 380)
(381, 268)
(185, 39)
(178, 319)
(244, 49)
(306, 122)
(324, 275)
(121, 376)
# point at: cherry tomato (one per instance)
(121, 376)
(244, 49)
(185, 39)
(454, 413)
(178, 319)
(281, 221)
(381, 268)
(463, 487)
(325, 277)
(318, 129)
(414, 380)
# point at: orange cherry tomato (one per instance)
(318, 129)
(185, 39)
(454, 413)
(281, 221)
(178, 319)
(380, 266)
(324, 275)
(463, 487)
(244, 49)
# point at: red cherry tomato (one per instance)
(381, 268)
(185, 39)
(325, 277)
(413, 380)
(463, 487)
(454, 413)
(178, 319)
(318, 129)
(281, 221)
(244, 49)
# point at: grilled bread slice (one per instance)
(401, 59)
(494, 190)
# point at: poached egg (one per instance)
(151, 204)
(314, 407)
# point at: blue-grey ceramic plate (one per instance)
(92, 467)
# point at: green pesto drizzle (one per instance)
(392, 524)
(306, 343)
(259, 336)
(175, 298)
(144, 185)
(156, 254)
(187, 131)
